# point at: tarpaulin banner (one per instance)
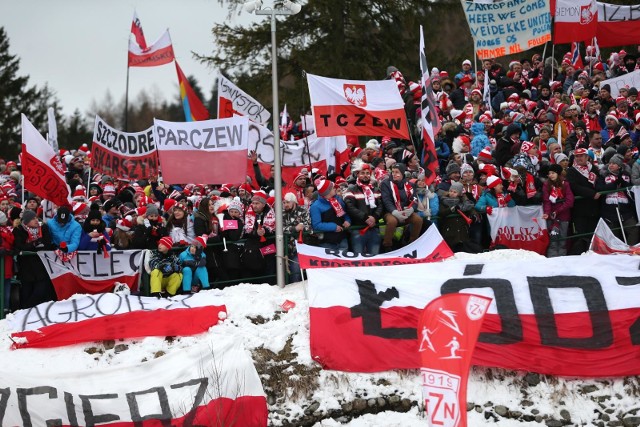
(90, 273)
(311, 153)
(575, 20)
(213, 383)
(207, 151)
(628, 80)
(233, 101)
(519, 227)
(605, 242)
(41, 166)
(430, 247)
(449, 328)
(126, 155)
(549, 315)
(159, 53)
(111, 316)
(507, 27)
(357, 107)
(618, 25)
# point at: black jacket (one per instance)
(357, 206)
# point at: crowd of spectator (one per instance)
(551, 135)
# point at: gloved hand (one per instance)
(147, 223)
(63, 247)
(202, 262)
(453, 209)
(398, 215)
(489, 210)
(167, 269)
(407, 212)
(189, 263)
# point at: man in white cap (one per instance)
(466, 71)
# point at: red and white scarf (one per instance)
(396, 194)
(337, 207)
(586, 172)
(530, 186)
(33, 234)
(368, 193)
(503, 200)
(555, 194)
(474, 189)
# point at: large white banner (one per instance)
(233, 101)
(507, 27)
(624, 81)
(207, 151)
(211, 383)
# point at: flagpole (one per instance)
(544, 52)
(553, 58)
(126, 100)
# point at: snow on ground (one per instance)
(256, 318)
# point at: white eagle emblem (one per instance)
(356, 94)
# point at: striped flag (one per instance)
(194, 110)
(159, 53)
(576, 60)
(430, 122)
(136, 30)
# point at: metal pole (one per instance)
(277, 161)
(126, 102)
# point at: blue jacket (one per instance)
(320, 206)
(488, 199)
(188, 256)
(69, 233)
(86, 244)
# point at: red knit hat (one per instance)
(324, 186)
(201, 240)
(485, 154)
(166, 241)
(526, 146)
(493, 181)
(168, 204)
(125, 223)
(259, 196)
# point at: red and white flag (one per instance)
(576, 58)
(159, 53)
(357, 107)
(233, 101)
(136, 31)
(42, 169)
(429, 118)
(449, 328)
(519, 227)
(549, 315)
(604, 242)
(110, 316)
(213, 383)
(207, 151)
(575, 20)
(618, 25)
(430, 247)
(90, 273)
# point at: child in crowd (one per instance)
(166, 275)
(194, 266)
(557, 201)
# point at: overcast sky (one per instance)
(79, 47)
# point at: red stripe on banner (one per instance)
(538, 245)
(225, 108)
(288, 172)
(336, 120)
(206, 167)
(117, 165)
(243, 411)
(339, 343)
(441, 252)
(135, 324)
(618, 33)
(40, 179)
(568, 32)
(159, 57)
(68, 284)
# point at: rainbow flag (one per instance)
(194, 110)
